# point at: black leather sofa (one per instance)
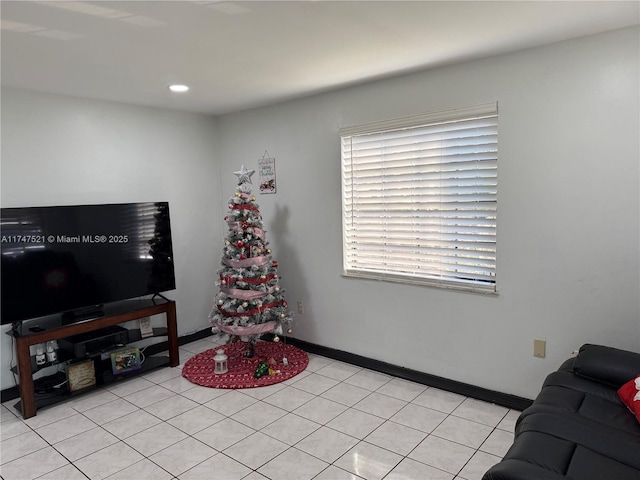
(577, 427)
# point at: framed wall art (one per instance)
(267, 170)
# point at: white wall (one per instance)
(568, 214)
(60, 150)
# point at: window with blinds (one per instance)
(419, 198)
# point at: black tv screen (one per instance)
(66, 258)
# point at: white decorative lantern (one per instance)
(221, 362)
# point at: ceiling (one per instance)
(239, 55)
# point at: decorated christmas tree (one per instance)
(250, 301)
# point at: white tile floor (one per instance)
(334, 421)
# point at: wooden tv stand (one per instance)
(114, 315)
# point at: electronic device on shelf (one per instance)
(94, 342)
(72, 260)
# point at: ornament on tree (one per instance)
(250, 301)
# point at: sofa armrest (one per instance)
(567, 365)
(606, 364)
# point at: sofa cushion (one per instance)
(557, 445)
(568, 394)
(615, 445)
(629, 393)
(517, 469)
(606, 364)
(551, 446)
(581, 384)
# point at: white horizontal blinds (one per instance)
(420, 196)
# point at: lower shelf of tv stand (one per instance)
(63, 357)
(107, 378)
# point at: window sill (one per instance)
(426, 282)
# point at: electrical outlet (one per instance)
(300, 307)
(539, 348)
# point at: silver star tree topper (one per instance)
(244, 175)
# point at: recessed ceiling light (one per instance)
(178, 88)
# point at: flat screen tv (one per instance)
(66, 259)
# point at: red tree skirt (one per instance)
(199, 368)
